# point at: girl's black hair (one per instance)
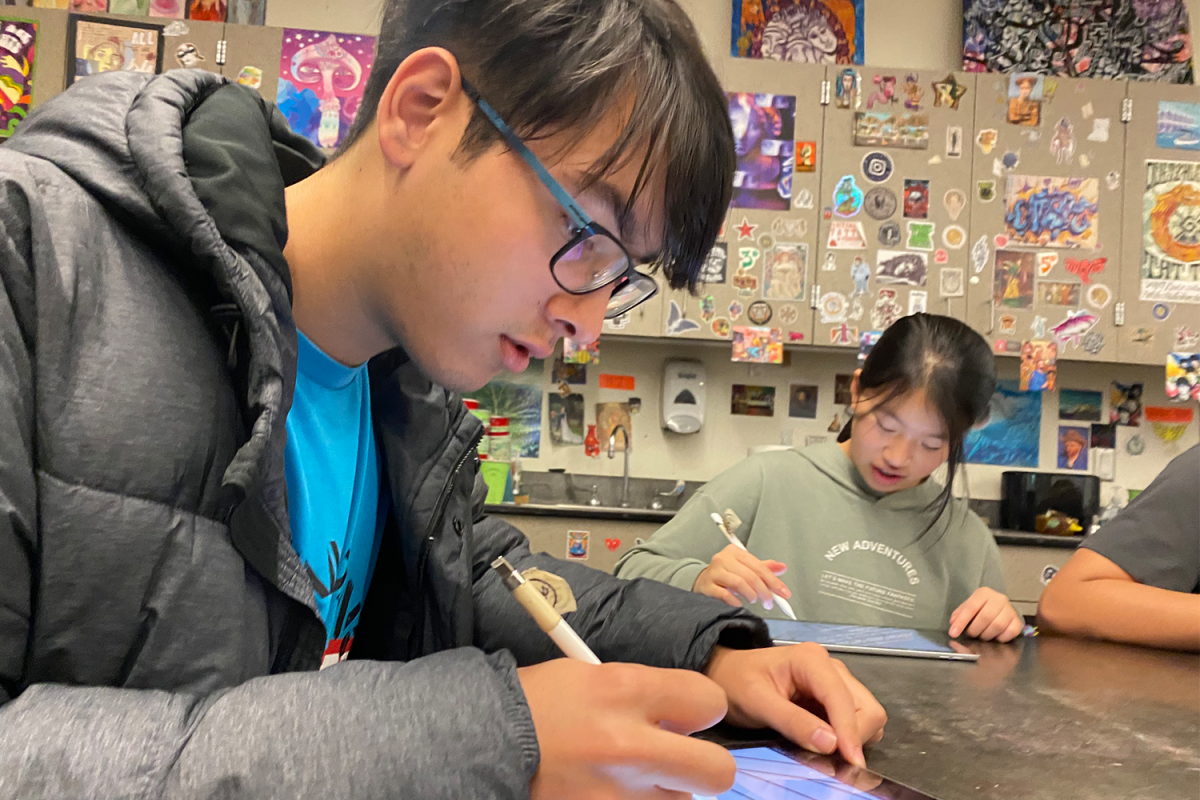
(950, 362)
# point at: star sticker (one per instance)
(745, 230)
(947, 92)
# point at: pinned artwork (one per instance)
(1178, 126)
(576, 353)
(842, 383)
(247, 12)
(764, 127)
(948, 92)
(913, 93)
(1170, 242)
(1104, 437)
(802, 401)
(916, 198)
(677, 323)
(752, 401)
(1013, 286)
(89, 6)
(1039, 366)
(954, 201)
(1073, 447)
(1079, 405)
(1076, 324)
(321, 80)
(860, 273)
(907, 130)
(1011, 435)
(1047, 260)
(985, 140)
(1169, 423)
(713, 270)
(132, 8)
(1024, 98)
(807, 31)
(1008, 324)
(1183, 377)
(757, 345)
(877, 166)
(845, 235)
(889, 234)
(708, 307)
(522, 404)
(1125, 404)
(886, 311)
(759, 312)
(251, 77)
(577, 545)
(1141, 41)
(784, 271)
(570, 373)
(920, 236)
(954, 237)
(979, 254)
(609, 416)
(1059, 293)
(18, 63)
(848, 89)
(564, 418)
(1062, 141)
(1052, 212)
(843, 334)
(207, 10)
(621, 383)
(917, 302)
(987, 191)
(884, 92)
(832, 306)
(950, 283)
(1085, 268)
(1099, 296)
(880, 203)
(1099, 132)
(847, 197)
(722, 328)
(901, 268)
(866, 343)
(806, 156)
(94, 46)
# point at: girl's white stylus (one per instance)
(736, 542)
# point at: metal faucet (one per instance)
(612, 449)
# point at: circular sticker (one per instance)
(1099, 295)
(721, 327)
(1161, 311)
(877, 166)
(766, 241)
(833, 305)
(889, 234)
(1135, 446)
(788, 314)
(880, 203)
(759, 312)
(954, 237)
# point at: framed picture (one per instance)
(96, 45)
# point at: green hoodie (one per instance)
(854, 555)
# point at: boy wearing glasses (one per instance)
(230, 453)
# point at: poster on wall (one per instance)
(522, 405)
(1052, 212)
(1170, 237)
(247, 12)
(764, 126)
(321, 81)
(18, 63)
(207, 10)
(1178, 126)
(95, 46)
(1138, 39)
(1012, 434)
(807, 31)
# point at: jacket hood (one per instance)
(196, 167)
(829, 459)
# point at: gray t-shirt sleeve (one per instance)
(1156, 538)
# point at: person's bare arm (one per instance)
(1092, 596)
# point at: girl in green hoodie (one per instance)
(868, 537)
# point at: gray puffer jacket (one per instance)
(158, 636)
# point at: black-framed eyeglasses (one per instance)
(593, 258)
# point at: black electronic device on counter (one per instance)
(1025, 495)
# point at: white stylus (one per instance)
(736, 542)
(544, 614)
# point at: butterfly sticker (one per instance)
(677, 324)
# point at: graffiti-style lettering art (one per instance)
(1171, 232)
(1052, 212)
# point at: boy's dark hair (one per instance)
(549, 66)
(946, 359)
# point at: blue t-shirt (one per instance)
(333, 480)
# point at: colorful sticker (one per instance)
(677, 323)
(920, 236)
(1059, 293)
(1008, 324)
(830, 264)
(979, 254)
(940, 256)
(884, 92)
(916, 198)
(787, 314)
(708, 307)
(833, 308)
(1099, 132)
(1178, 126)
(954, 201)
(948, 92)
(954, 237)
(1113, 180)
(913, 93)
(1125, 404)
(1085, 268)
(735, 310)
(1160, 311)
(877, 166)
(18, 43)
(784, 271)
(1062, 141)
(907, 130)
(866, 343)
(917, 301)
(987, 191)
(1093, 342)
(577, 545)
(950, 282)
(715, 264)
(1013, 284)
(766, 241)
(251, 77)
(1143, 336)
(880, 203)
(954, 139)
(1076, 324)
(745, 230)
(1186, 338)
(1183, 377)
(721, 327)
(847, 197)
(748, 257)
(1038, 327)
(1025, 98)
(1170, 243)
(576, 353)
(889, 234)
(886, 311)
(764, 127)
(1099, 296)
(843, 335)
(1047, 260)
(757, 345)
(1039, 366)
(806, 156)
(846, 235)
(986, 140)
(803, 199)
(759, 312)
(1073, 447)
(898, 267)
(1052, 212)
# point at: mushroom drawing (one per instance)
(333, 73)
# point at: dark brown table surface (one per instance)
(1047, 718)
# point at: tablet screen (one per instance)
(859, 636)
(768, 774)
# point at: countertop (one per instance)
(1005, 537)
(1047, 718)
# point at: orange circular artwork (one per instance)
(1176, 212)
